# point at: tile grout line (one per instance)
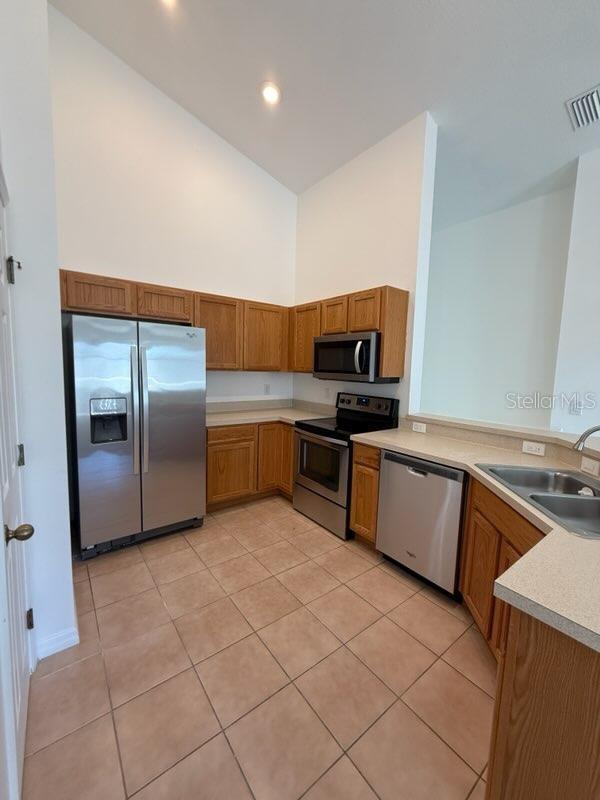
(222, 729)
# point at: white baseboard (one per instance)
(57, 642)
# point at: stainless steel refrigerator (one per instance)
(138, 443)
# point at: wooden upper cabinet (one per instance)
(83, 292)
(364, 310)
(393, 324)
(163, 302)
(482, 542)
(223, 319)
(265, 337)
(334, 315)
(305, 325)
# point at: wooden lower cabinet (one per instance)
(286, 481)
(546, 731)
(481, 566)
(365, 491)
(243, 460)
(508, 556)
(269, 456)
(495, 537)
(231, 463)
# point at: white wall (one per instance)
(25, 130)
(493, 313)
(368, 224)
(578, 360)
(146, 191)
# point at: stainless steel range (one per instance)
(323, 456)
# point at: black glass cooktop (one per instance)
(344, 428)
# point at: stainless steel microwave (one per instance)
(348, 357)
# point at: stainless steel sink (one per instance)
(580, 514)
(545, 480)
(570, 498)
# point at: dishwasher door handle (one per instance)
(417, 472)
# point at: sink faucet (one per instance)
(579, 444)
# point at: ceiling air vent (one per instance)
(585, 108)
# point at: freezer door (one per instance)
(173, 396)
(105, 369)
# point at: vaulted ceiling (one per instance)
(493, 73)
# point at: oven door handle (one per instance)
(357, 352)
(320, 439)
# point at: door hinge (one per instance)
(20, 455)
(29, 616)
(11, 265)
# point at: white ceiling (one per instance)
(493, 73)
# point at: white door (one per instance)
(15, 655)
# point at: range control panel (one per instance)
(383, 406)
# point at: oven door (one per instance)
(348, 356)
(322, 466)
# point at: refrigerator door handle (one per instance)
(135, 411)
(145, 409)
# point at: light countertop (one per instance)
(290, 415)
(558, 580)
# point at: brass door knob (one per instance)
(21, 533)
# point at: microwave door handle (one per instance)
(357, 351)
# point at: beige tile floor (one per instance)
(260, 657)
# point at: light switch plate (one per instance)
(419, 427)
(534, 448)
(590, 466)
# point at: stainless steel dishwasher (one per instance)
(419, 515)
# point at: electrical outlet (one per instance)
(327, 393)
(535, 448)
(590, 466)
(267, 388)
(419, 427)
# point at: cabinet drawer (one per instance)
(232, 433)
(369, 456)
(519, 533)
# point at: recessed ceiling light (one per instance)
(169, 3)
(271, 93)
